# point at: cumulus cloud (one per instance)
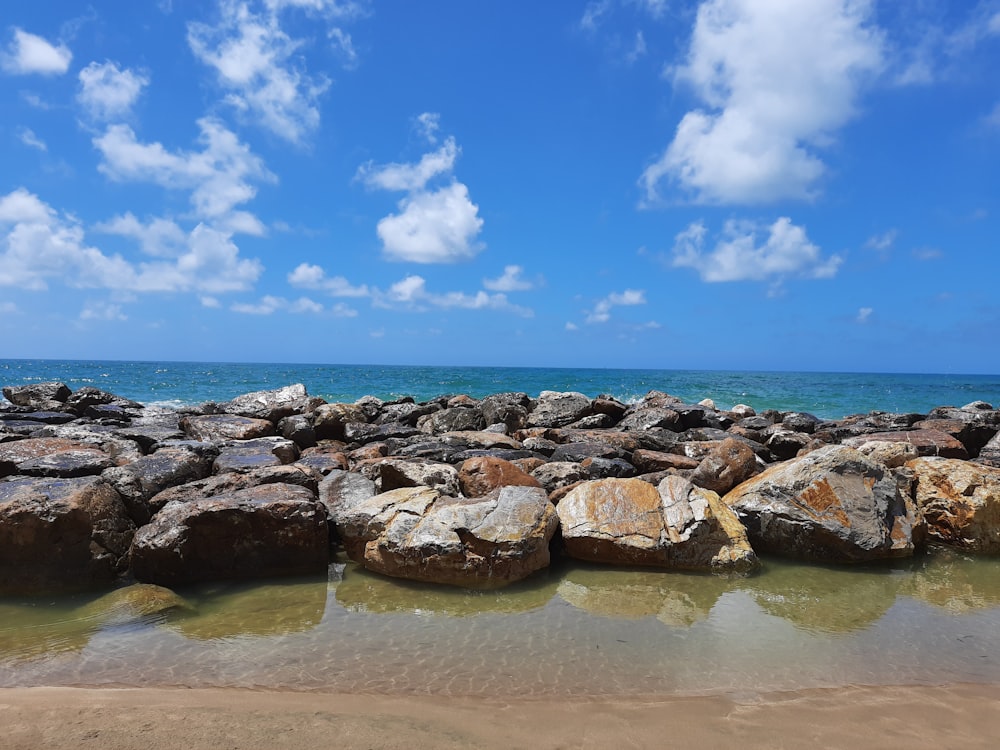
(220, 177)
(512, 280)
(411, 292)
(310, 276)
(739, 254)
(432, 225)
(29, 139)
(159, 237)
(863, 314)
(258, 64)
(777, 79)
(107, 92)
(102, 311)
(602, 310)
(27, 53)
(268, 305)
(38, 244)
(882, 242)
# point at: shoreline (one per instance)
(954, 715)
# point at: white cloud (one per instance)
(882, 242)
(777, 80)
(428, 124)
(221, 176)
(737, 256)
(594, 13)
(9, 308)
(102, 311)
(570, 326)
(210, 302)
(602, 310)
(28, 53)
(638, 49)
(28, 138)
(38, 244)
(412, 292)
(107, 92)
(258, 63)
(159, 237)
(993, 26)
(433, 227)
(268, 305)
(993, 118)
(309, 276)
(409, 177)
(863, 314)
(512, 280)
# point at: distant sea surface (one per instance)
(827, 395)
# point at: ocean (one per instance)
(824, 394)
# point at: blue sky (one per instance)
(731, 184)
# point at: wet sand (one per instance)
(966, 716)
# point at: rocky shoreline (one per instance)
(96, 489)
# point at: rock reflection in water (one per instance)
(239, 609)
(956, 582)
(367, 592)
(38, 627)
(826, 599)
(676, 599)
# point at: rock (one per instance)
(577, 452)
(742, 411)
(407, 413)
(393, 473)
(272, 405)
(727, 464)
(480, 476)
(785, 444)
(990, 454)
(222, 484)
(556, 409)
(454, 419)
(151, 430)
(481, 439)
(329, 419)
(84, 399)
(511, 409)
(556, 474)
(341, 490)
(832, 505)
(221, 427)
(648, 418)
(241, 455)
(927, 442)
(973, 434)
(323, 459)
(269, 530)
(675, 526)
(960, 501)
(40, 417)
(602, 468)
(420, 534)
(609, 405)
(298, 428)
(61, 534)
(140, 480)
(52, 457)
(649, 461)
(360, 433)
(892, 454)
(38, 396)
(798, 421)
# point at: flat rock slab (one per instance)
(960, 501)
(675, 525)
(269, 530)
(140, 480)
(927, 442)
(272, 405)
(831, 505)
(52, 457)
(244, 455)
(420, 534)
(225, 427)
(61, 534)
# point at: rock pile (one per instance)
(472, 492)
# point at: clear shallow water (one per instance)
(576, 631)
(827, 395)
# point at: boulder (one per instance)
(675, 525)
(990, 454)
(299, 429)
(927, 442)
(972, 432)
(38, 396)
(421, 534)
(52, 457)
(556, 409)
(88, 397)
(140, 480)
(344, 489)
(892, 454)
(272, 405)
(329, 419)
(221, 427)
(454, 419)
(832, 505)
(509, 409)
(241, 455)
(61, 534)
(650, 417)
(480, 476)
(393, 473)
(960, 501)
(268, 530)
(602, 468)
(324, 458)
(580, 451)
(650, 461)
(556, 474)
(727, 464)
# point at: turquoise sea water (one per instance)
(827, 395)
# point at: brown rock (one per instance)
(225, 427)
(960, 501)
(727, 464)
(52, 457)
(675, 525)
(650, 461)
(927, 442)
(480, 476)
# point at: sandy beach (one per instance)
(963, 716)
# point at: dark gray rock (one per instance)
(38, 396)
(557, 409)
(652, 417)
(140, 480)
(242, 455)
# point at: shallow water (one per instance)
(574, 631)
